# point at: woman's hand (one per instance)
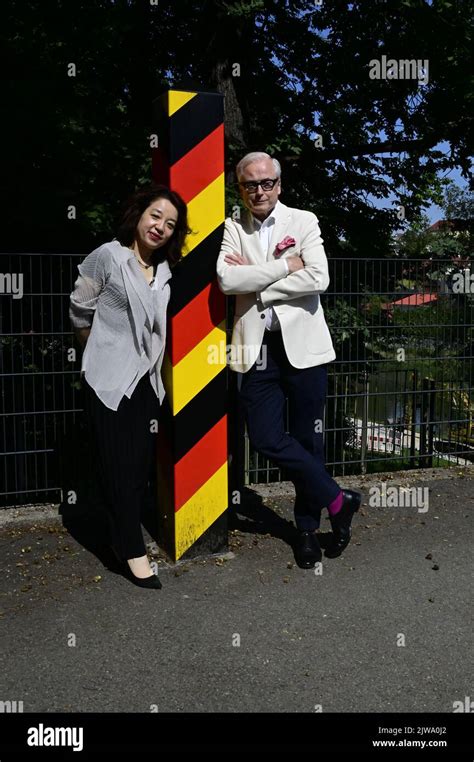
(82, 334)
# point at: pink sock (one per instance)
(336, 504)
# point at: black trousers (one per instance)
(124, 445)
(301, 451)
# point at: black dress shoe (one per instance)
(341, 523)
(308, 551)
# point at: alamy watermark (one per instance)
(463, 282)
(464, 706)
(241, 354)
(11, 707)
(399, 497)
(48, 736)
(402, 68)
(12, 283)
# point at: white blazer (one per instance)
(264, 283)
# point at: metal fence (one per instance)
(400, 392)
(41, 399)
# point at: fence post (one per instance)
(364, 377)
(413, 419)
(428, 395)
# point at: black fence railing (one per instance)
(400, 391)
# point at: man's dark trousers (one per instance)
(301, 451)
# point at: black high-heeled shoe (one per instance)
(151, 583)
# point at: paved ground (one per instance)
(249, 631)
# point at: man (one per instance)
(274, 262)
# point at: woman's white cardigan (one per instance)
(127, 318)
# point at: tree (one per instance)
(458, 203)
(289, 70)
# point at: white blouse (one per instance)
(127, 317)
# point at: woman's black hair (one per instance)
(135, 206)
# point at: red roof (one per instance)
(415, 300)
(440, 225)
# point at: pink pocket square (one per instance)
(284, 244)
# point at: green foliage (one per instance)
(240, 8)
(84, 140)
(451, 240)
(345, 322)
(458, 203)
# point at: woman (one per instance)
(118, 312)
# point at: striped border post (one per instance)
(192, 439)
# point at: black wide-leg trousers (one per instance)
(123, 445)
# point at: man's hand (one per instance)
(294, 264)
(236, 259)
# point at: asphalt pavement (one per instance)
(387, 627)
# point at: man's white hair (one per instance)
(249, 158)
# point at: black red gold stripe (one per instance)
(192, 456)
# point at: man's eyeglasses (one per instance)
(266, 185)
